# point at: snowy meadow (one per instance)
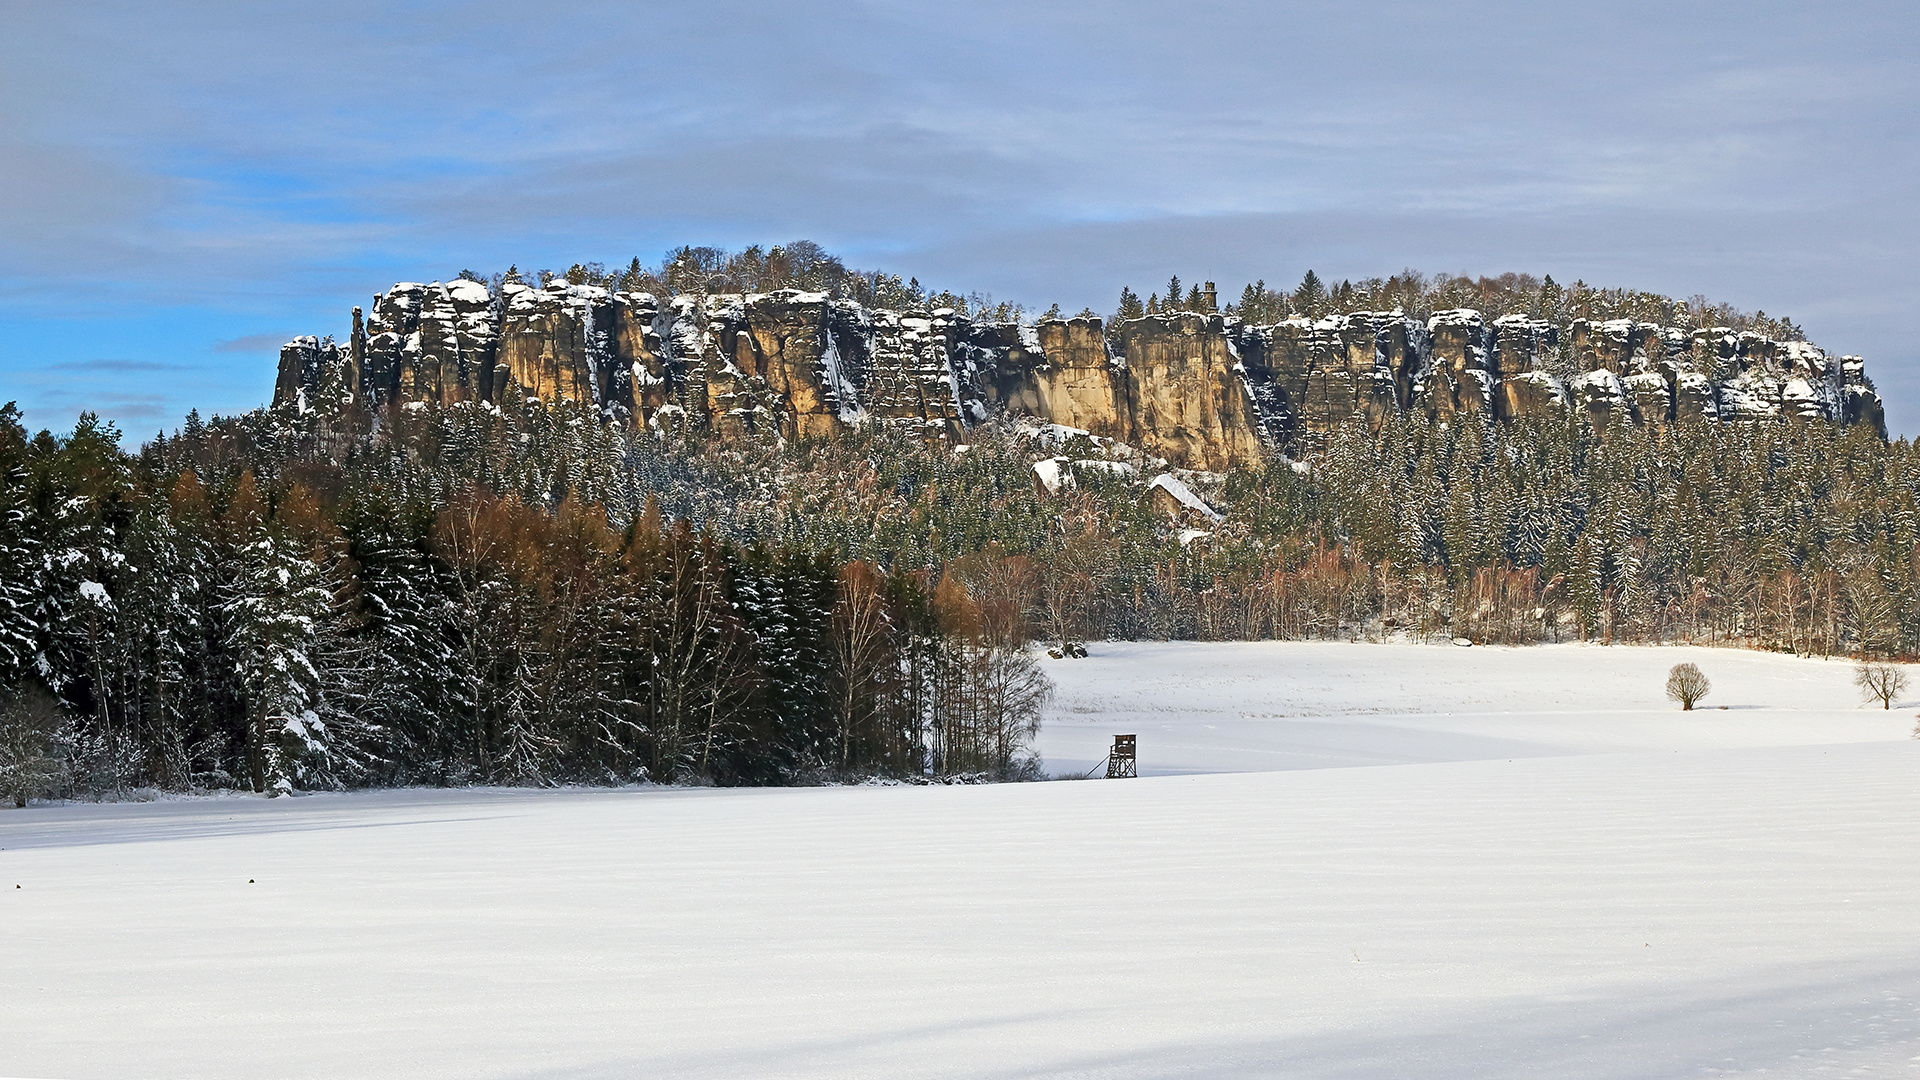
(1339, 861)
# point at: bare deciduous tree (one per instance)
(1880, 682)
(860, 623)
(1687, 684)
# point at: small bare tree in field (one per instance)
(1687, 684)
(1880, 682)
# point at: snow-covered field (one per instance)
(1554, 874)
(1236, 707)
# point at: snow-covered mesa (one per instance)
(1197, 389)
(1342, 860)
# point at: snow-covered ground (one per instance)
(1567, 878)
(1240, 706)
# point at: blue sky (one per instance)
(184, 185)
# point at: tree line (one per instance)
(1420, 295)
(804, 264)
(230, 608)
(798, 264)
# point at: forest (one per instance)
(224, 609)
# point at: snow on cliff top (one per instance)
(471, 292)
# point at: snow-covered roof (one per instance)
(1053, 474)
(1183, 494)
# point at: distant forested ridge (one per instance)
(528, 591)
(755, 341)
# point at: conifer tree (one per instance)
(394, 670)
(20, 561)
(276, 616)
(1310, 296)
(160, 597)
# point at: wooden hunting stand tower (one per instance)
(1120, 758)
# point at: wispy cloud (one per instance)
(124, 408)
(101, 364)
(253, 343)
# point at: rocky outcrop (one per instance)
(1187, 391)
(1311, 376)
(430, 343)
(1076, 382)
(556, 343)
(315, 373)
(1201, 390)
(916, 368)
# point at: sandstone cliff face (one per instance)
(429, 343)
(1202, 390)
(1459, 375)
(1521, 348)
(1077, 383)
(914, 372)
(315, 373)
(556, 343)
(642, 377)
(1314, 375)
(1188, 391)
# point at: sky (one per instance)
(185, 186)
